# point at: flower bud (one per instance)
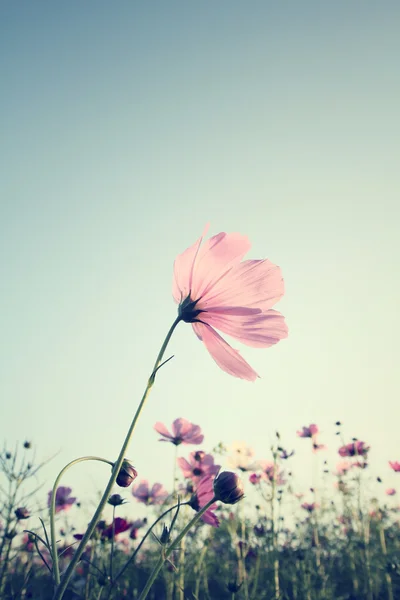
(22, 513)
(126, 474)
(165, 535)
(27, 444)
(228, 488)
(116, 500)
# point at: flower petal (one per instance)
(180, 427)
(183, 270)
(162, 430)
(185, 466)
(258, 330)
(228, 359)
(252, 283)
(210, 518)
(217, 256)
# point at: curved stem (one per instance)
(175, 543)
(54, 554)
(117, 466)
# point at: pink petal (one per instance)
(180, 427)
(257, 330)
(228, 359)
(141, 489)
(252, 283)
(210, 518)
(217, 256)
(157, 490)
(185, 466)
(196, 437)
(183, 270)
(162, 430)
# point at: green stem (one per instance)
(7, 556)
(121, 572)
(171, 548)
(174, 473)
(54, 554)
(112, 545)
(117, 466)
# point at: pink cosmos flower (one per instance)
(64, 500)
(203, 494)
(316, 447)
(216, 290)
(357, 448)
(120, 525)
(271, 472)
(255, 478)
(309, 507)
(395, 465)
(342, 467)
(27, 542)
(183, 432)
(242, 457)
(309, 432)
(142, 492)
(199, 464)
(390, 491)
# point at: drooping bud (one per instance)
(126, 475)
(116, 500)
(228, 488)
(22, 513)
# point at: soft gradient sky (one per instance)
(125, 127)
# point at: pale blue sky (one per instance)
(125, 127)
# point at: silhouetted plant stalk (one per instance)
(62, 586)
(364, 530)
(273, 527)
(384, 552)
(165, 553)
(52, 510)
(131, 559)
(17, 472)
(199, 566)
(254, 585)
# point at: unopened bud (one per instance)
(165, 535)
(116, 500)
(228, 488)
(22, 513)
(126, 475)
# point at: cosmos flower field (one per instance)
(331, 541)
(245, 532)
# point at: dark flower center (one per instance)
(187, 310)
(197, 471)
